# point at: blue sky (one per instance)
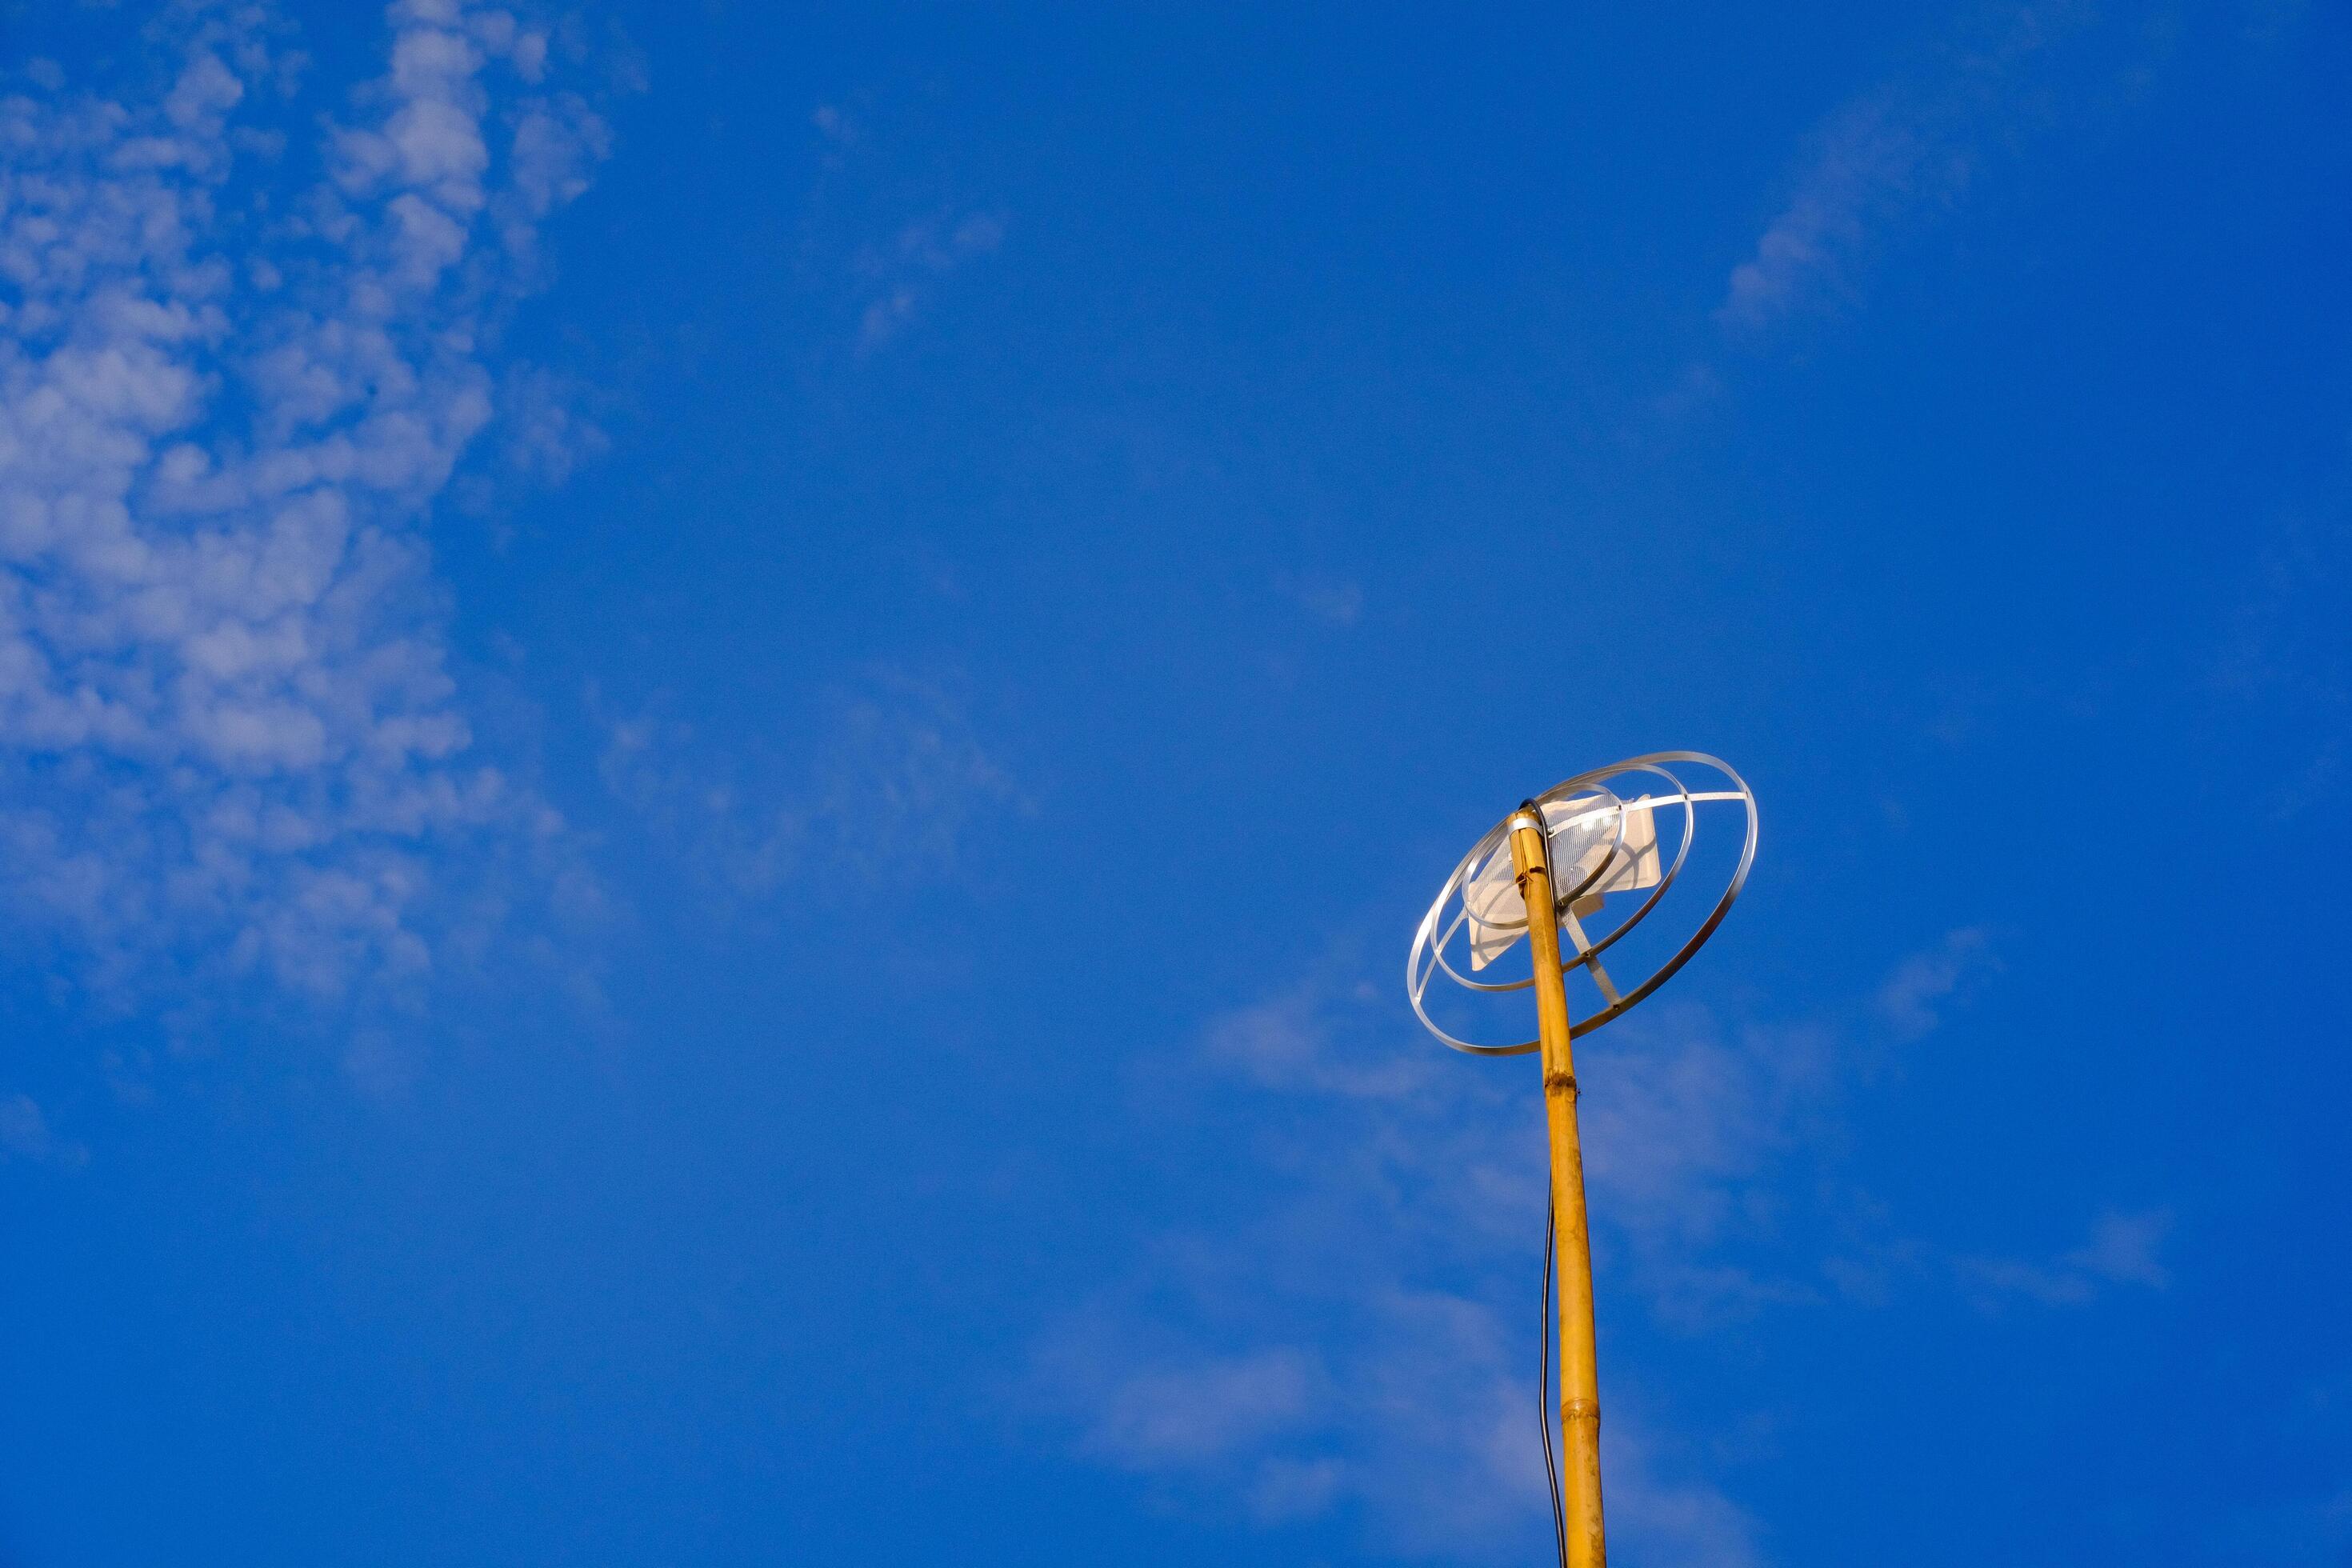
(720, 727)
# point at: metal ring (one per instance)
(1419, 971)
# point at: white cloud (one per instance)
(228, 735)
(1678, 1523)
(1872, 159)
(859, 234)
(26, 1134)
(904, 271)
(2282, 655)
(1912, 143)
(1413, 1415)
(1407, 1402)
(1419, 1412)
(1333, 601)
(2121, 1249)
(1342, 1347)
(896, 768)
(1688, 1142)
(1201, 1410)
(1288, 1043)
(1909, 1001)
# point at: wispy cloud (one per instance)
(1418, 1412)
(1292, 1042)
(26, 1134)
(903, 274)
(1335, 601)
(1687, 1146)
(895, 256)
(1414, 1412)
(896, 767)
(2283, 655)
(1341, 1349)
(229, 740)
(2121, 1249)
(1923, 984)
(1202, 1409)
(1894, 151)
(1679, 1523)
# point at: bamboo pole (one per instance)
(1579, 1384)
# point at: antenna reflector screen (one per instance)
(1581, 835)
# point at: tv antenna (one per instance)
(1582, 861)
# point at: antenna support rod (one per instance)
(1579, 1382)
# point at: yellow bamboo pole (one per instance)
(1579, 1382)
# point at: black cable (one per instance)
(1543, 1384)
